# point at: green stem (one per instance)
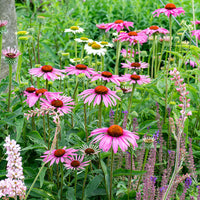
(76, 87)
(85, 120)
(138, 51)
(117, 57)
(156, 57)
(160, 60)
(75, 48)
(75, 183)
(96, 65)
(38, 43)
(44, 128)
(82, 52)
(62, 175)
(19, 64)
(130, 178)
(84, 182)
(1, 36)
(47, 84)
(131, 98)
(152, 62)
(149, 60)
(111, 173)
(102, 63)
(34, 181)
(100, 113)
(10, 84)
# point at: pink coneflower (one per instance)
(124, 53)
(196, 33)
(114, 136)
(61, 104)
(76, 163)
(133, 37)
(100, 93)
(134, 78)
(106, 76)
(169, 9)
(11, 53)
(196, 22)
(48, 72)
(119, 25)
(102, 26)
(3, 23)
(58, 155)
(134, 65)
(154, 30)
(79, 69)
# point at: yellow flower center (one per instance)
(104, 43)
(83, 38)
(74, 28)
(96, 46)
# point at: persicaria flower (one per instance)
(58, 155)
(133, 37)
(155, 30)
(75, 29)
(61, 104)
(100, 93)
(79, 69)
(47, 71)
(106, 76)
(196, 33)
(76, 163)
(114, 137)
(119, 25)
(134, 78)
(170, 9)
(134, 65)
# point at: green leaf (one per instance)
(41, 193)
(2, 173)
(70, 194)
(36, 138)
(42, 174)
(127, 172)
(93, 185)
(19, 126)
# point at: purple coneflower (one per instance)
(119, 25)
(134, 78)
(196, 33)
(134, 65)
(102, 26)
(100, 93)
(154, 30)
(114, 136)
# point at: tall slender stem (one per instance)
(10, 84)
(117, 57)
(84, 182)
(131, 98)
(130, 178)
(38, 42)
(96, 64)
(152, 63)
(19, 62)
(1, 36)
(100, 113)
(61, 184)
(75, 183)
(85, 120)
(82, 52)
(111, 173)
(102, 63)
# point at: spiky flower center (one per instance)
(83, 38)
(75, 163)
(132, 33)
(170, 6)
(148, 140)
(40, 91)
(30, 89)
(104, 43)
(115, 131)
(22, 33)
(154, 27)
(91, 43)
(96, 46)
(106, 74)
(59, 152)
(89, 151)
(135, 77)
(101, 89)
(119, 21)
(11, 55)
(135, 64)
(47, 68)
(81, 67)
(57, 103)
(74, 28)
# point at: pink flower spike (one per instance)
(189, 113)
(106, 76)
(119, 25)
(169, 9)
(192, 63)
(114, 137)
(100, 93)
(79, 69)
(134, 65)
(76, 163)
(58, 155)
(134, 78)
(48, 72)
(155, 30)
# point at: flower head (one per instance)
(76, 163)
(196, 33)
(75, 29)
(196, 22)
(58, 155)
(155, 30)
(83, 40)
(79, 69)
(11, 54)
(76, 60)
(133, 37)
(169, 9)
(102, 26)
(134, 65)
(105, 44)
(114, 136)
(90, 150)
(119, 25)
(128, 55)
(106, 76)
(192, 63)
(61, 104)
(100, 93)
(3, 23)
(48, 72)
(95, 49)
(134, 78)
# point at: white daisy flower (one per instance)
(74, 60)
(95, 49)
(84, 40)
(105, 44)
(75, 29)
